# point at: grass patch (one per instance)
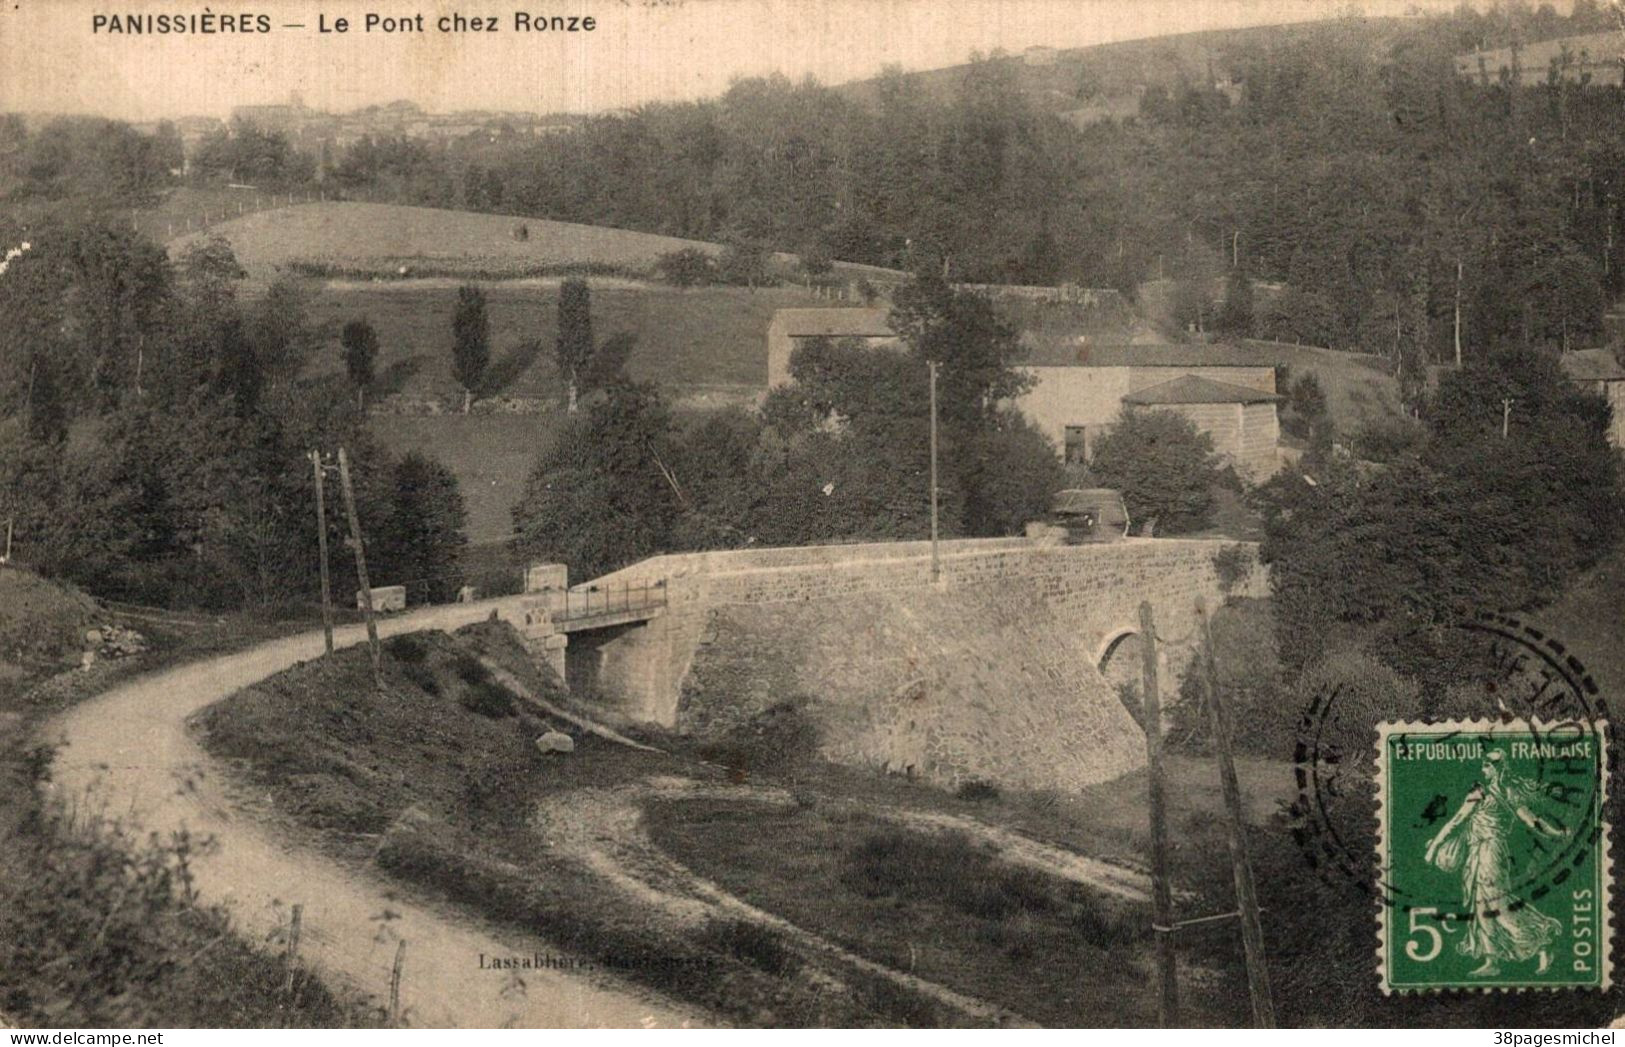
(939, 905)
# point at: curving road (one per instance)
(128, 752)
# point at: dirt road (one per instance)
(129, 753)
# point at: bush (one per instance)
(488, 698)
(689, 267)
(100, 928)
(977, 789)
(761, 947)
(780, 737)
(407, 648)
(1388, 438)
(1233, 564)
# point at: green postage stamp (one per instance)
(1492, 850)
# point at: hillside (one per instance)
(42, 625)
(364, 238)
(1088, 83)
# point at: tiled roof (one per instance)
(1191, 389)
(1064, 352)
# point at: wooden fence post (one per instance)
(291, 957)
(395, 984)
(1252, 934)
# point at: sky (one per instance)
(640, 51)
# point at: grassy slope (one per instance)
(42, 627)
(489, 454)
(715, 336)
(340, 756)
(452, 790)
(1358, 388)
(385, 236)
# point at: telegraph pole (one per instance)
(321, 544)
(360, 565)
(1162, 895)
(1506, 416)
(1252, 934)
(936, 563)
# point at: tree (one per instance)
(422, 541)
(575, 345)
(1164, 468)
(240, 373)
(1472, 521)
(744, 262)
(360, 344)
(470, 342)
(961, 331)
(603, 494)
(1236, 312)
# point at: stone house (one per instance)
(1598, 371)
(1224, 391)
(791, 327)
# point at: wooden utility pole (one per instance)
(1506, 415)
(360, 566)
(936, 565)
(321, 545)
(1252, 934)
(1162, 895)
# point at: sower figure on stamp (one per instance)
(1500, 927)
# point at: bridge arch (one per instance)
(1120, 660)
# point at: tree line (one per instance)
(154, 428)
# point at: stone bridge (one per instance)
(1005, 666)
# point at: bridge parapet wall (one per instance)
(1093, 591)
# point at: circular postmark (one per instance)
(1510, 673)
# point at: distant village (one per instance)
(320, 133)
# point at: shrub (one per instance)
(1387, 438)
(488, 698)
(407, 648)
(1232, 564)
(780, 737)
(976, 789)
(689, 267)
(752, 943)
(422, 677)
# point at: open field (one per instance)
(383, 237)
(702, 338)
(489, 454)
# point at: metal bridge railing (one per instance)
(593, 601)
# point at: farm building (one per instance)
(1598, 371)
(791, 327)
(1079, 390)
(1081, 387)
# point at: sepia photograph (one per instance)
(811, 514)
